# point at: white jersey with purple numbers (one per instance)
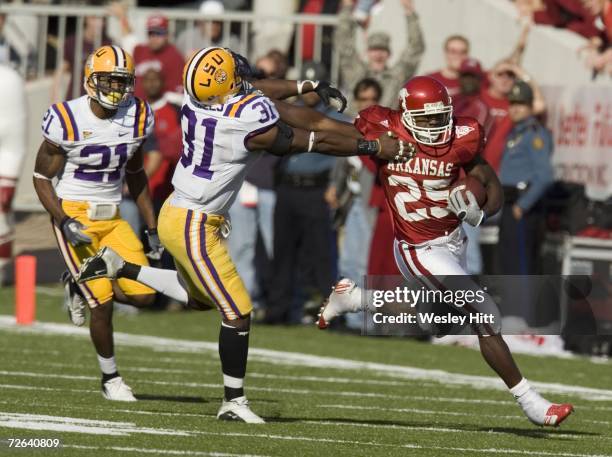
(96, 149)
(215, 158)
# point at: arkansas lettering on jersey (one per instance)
(417, 190)
(97, 150)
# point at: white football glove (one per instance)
(74, 232)
(468, 211)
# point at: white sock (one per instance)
(234, 383)
(164, 281)
(108, 366)
(531, 402)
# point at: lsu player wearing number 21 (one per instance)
(92, 144)
(226, 126)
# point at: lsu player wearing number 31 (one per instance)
(226, 124)
(94, 143)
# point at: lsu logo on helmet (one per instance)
(109, 76)
(210, 76)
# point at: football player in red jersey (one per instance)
(429, 241)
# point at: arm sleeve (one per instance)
(413, 51)
(543, 173)
(257, 116)
(351, 65)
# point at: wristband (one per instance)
(300, 85)
(63, 221)
(368, 147)
(151, 231)
(39, 176)
(311, 141)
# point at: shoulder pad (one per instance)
(375, 119)
(254, 108)
(59, 124)
(143, 118)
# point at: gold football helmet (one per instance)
(109, 76)
(210, 76)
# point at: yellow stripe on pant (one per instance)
(193, 239)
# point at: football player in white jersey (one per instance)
(226, 125)
(93, 144)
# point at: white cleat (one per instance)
(238, 409)
(105, 264)
(117, 390)
(73, 302)
(345, 298)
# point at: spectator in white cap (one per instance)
(207, 32)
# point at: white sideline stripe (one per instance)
(291, 391)
(301, 359)
(22, 387)
(253, 388)
(98, 427)
(429, 429)
(159, 451)
(440, 413)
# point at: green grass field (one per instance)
(349, 405)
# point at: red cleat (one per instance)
(557, 414)
(321, 323)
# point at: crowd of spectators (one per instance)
(591, 19)
(301, 222)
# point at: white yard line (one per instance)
(141, 450)
(301, 359)
(440, 413)
(112, 428)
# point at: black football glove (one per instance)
(73, 232)
(155, 246)
(326, 92)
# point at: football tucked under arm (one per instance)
(481, 170)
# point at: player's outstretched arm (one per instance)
(481, 170)
(306, 118)
(283, 139)
(280, 89)
(49, 162)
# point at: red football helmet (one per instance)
(427, 110)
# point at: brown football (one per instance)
(473, 185)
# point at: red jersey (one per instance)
(417, 190)
(452, 84)
(168, 60)
(168, 133)
(501, 126)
